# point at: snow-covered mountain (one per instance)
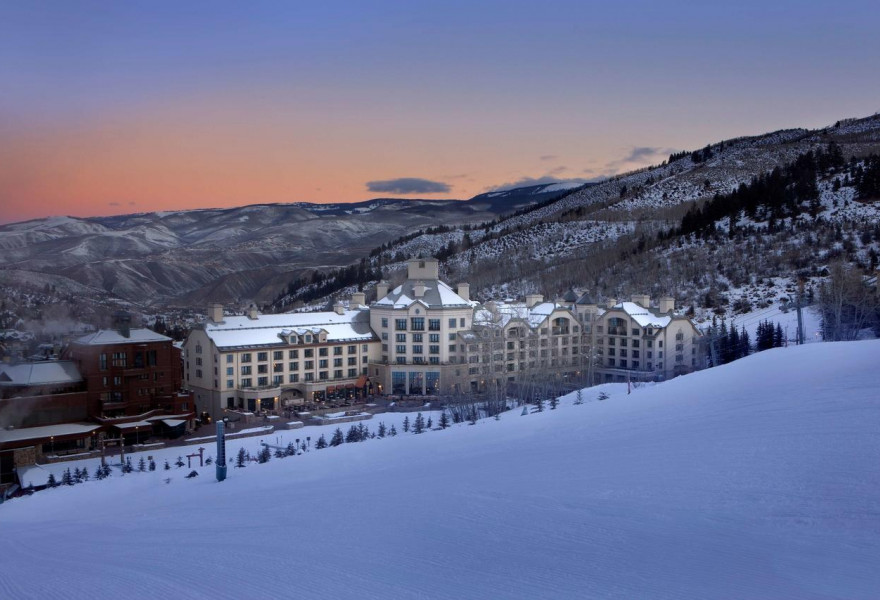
(222, 254)
(757, 479)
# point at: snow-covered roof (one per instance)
(47, 431)
(499, 314)
(106, 337)
(437, 295)
(133, 425)
(643, 316)
(52, 372)
(267, 330)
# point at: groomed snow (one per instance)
(758, 479)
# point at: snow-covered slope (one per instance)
(758, 479)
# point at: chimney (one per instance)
(533, 299)
(666, 304)
(252, 313)
(357, 299)
(642, 300)
(122, 323)
(611, 302)
(464, 290)
(419, 289)
(381, 290)
(338, 308)
(215, 312)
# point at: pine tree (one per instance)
(290, 450)
(778, 337)
(602, 396)
(240, 459)
(127, 467)
(419, 424)
(554, 402)
(67, 477)
(444, 420)
(579, 399)
(363, 432)
(430, 423)
(264, 455)
(393, 431)
(279, 453)
(353, 435)
(52, 482)
(142, 465)
(338, 438)
(152, 465)
(167, 466)
(406, 424)
(321, 443)
(84, 474)
(77, 475)
(382, 429)
(539, 404)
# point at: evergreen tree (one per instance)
(142, 465)
(167, 466)
(430, 423)
(84, 474)
(240, 459)
(382, 429)
(778, 337)
(444, 420)
(127, 467)
(554, 402)
(419, 424)
(539, 404)
(77, 475)
(406, 424)
(279, 453)
(52, 482)
(579, 399)
(290, 450)
(393, 431)
(179, 462)
(152, 465)
(321, 443)
(363, 432)
(264, 455)
(353, 435)
(337, 438)
(67, 477)
(602, 396)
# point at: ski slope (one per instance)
(757, 479)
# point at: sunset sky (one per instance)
(119, 107)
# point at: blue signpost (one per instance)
(221, 451)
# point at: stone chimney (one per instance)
(122, 323)
(533, 299)
(666, 305)
(252, 313)
(611, 302)
(358, 298)
(338, 308)
(423, 268)
(381, 290)
(464, 290)
(419, 289)
(642, 300)
(215, 312)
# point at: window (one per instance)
(400, 349)
(352, 361)
(309, 352)
(365, 359)
(434, 360)
(433, 324)
(322, 352)
(322, 363)
(337, 374)
(352, 349)
(293, 378)
(417, 323)
(262, 368)
(309, 365)
(635, 331)
(230, 383)
(352, 372)
(310, 376)
(229, 358)
(452, 323)
(417, 349)
(294, 366)
(246, 370)
(452, 337)
(400, 338)
(230, 371)
(452, 347)
(400, 324)
(434, 338)
(323, 375)
(337, 362)
(246, 382)
(246, 357)
(434, 349)
(461, 322)
(198, 361)
(119, 359)
(293, 354)
(635, 343)
(262, 356)
(635, 354)
(384, 336)
(198, 348)
(364, 347)
(384, 321)
(262, 381)
(277, 379)
(337, 350)
(278, 355)
(418, 338)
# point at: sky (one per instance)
(121, 107)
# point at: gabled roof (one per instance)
(643, 316)
(505, 312)
(106, 337)
(437, 295)
(267, 330)
(52, 372)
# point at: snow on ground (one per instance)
(757, 479)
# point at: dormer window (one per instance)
(308, 338)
